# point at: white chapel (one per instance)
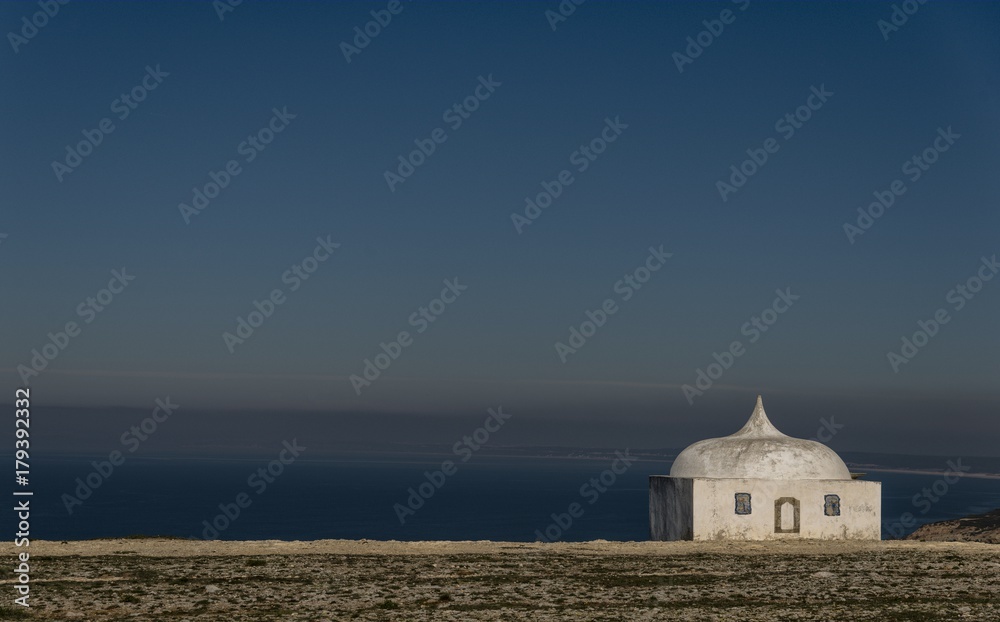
(760, 484)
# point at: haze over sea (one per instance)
(488, 498)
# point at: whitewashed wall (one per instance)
(713, 516)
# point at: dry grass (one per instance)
(159, 580)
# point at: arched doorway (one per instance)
(786, 515)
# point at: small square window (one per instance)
(831, 505)
(743, 503)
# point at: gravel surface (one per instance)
(157, 580)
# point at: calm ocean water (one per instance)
(487, 499)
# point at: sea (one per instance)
(379, 498)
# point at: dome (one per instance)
(759, 451)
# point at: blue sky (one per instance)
(656, 184)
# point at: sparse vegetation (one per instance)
(13, 612)
(153, 582)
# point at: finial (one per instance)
(759, 424)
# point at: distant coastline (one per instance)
(906, 471)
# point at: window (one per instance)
(743, 503)
(831, 505)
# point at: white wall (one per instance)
(714, 515)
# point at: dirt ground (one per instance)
(157, 580)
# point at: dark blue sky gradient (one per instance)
(452, 218)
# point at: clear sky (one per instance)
(530, 95)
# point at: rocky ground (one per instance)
(179, 580)
(978, 528)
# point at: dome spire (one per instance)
(759, 424)
(759, 451)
